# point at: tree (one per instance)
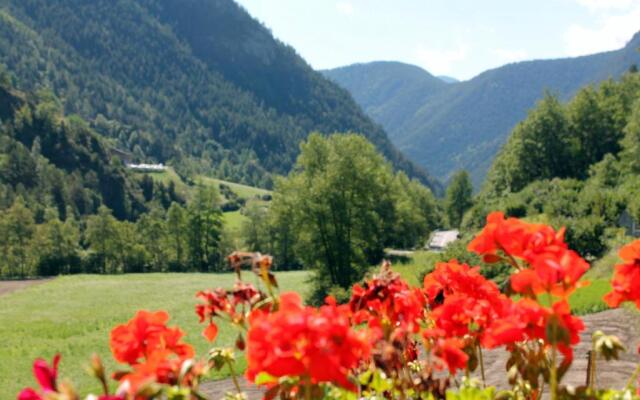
(459, 197)
(17, 228)
(538, 148)
(415, 212)
(335, 202)
(204, 227)
(176, 228)
(256, 230)
(630, 154)
(58, 245)
(101, 234)
(152, 234)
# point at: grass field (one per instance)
(74, 314)
(169, 175)
(243, 191)
(412, 270)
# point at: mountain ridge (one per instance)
(463, 125)
(178, 81)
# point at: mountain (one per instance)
(198, 83)
(390, 92)
(57, 161)
(448, 79)
(464, 124)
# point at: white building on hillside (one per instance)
(147, 167)
(441, 239)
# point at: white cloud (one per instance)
(505, 56)
(440, 61)
(599, 5)
(345, 7)
(609, 32)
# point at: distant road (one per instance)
(7, 287)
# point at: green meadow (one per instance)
(73, 315)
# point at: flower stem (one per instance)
(632, 378)
(553, 385)
(307, 389)
(234, 377)
(481, 358)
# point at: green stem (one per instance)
(553, 385)
(307, 388)
(234, 377)
(554, 374)
(105, 386)
(481, 358)
(633, 378)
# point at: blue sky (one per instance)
(460, 38)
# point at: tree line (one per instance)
(180, 239)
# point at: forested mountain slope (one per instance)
(574, 164)
(464, 124)
(55, 161)
(198, 82)
(390, 92)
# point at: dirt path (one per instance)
(615, 374)
(7, 287)
(622, 323)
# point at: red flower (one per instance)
(303, 341)
(515, 238)
(553, 267)
(154, 350)
(453, 277)
(555, 273)
(450, 351)
(463, 301)
(626, 279)
(145, 334)
(217, 303)
(631, 252)
(387, 299)
(528, 320)
(47, 379)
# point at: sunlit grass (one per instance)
(73, 315)
(243, 191)
(418, 264)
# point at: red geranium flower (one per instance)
(319, 344)
(455, 278)
(626, 278)
(515, 238)
(555, 273)
(450, 351)
(220, 302)
(154, 350)
(145, 334)
(388, 299)
(46, 376)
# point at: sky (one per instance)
(459, 38)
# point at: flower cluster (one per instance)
(543, 261)
(154, 351)
(390, 340)
(317, 345)
(387, 300)
(626, 279)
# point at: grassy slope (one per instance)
(233, 220)
(170, 175)
(74, 314)
(243, 191)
